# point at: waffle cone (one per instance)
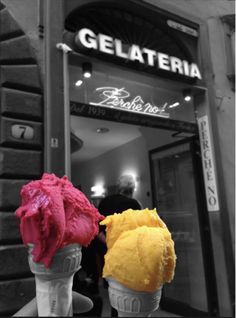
(131, 303)
(66, 260)
(54, 284)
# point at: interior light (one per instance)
(174, 105)
(78, 83)
(87, 74)
(187, 98)
(98, 190)
(187, 95)
(87, 69)
(102, 130)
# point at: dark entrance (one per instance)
(177, 168)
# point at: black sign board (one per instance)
(86, 110)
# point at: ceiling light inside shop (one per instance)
(102, 130)
(174, 105)
(87, 69)
(187, 98)
(87, 74)
(78, 83)
(187, 95)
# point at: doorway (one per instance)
(177, 185)
(167, 169)
(114, 140)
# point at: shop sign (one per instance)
(208, 165)
(121, 99)
(87, 39)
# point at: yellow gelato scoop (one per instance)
(128, 220)
(141, 253)
(142, 259)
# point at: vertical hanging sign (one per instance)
(208, 164)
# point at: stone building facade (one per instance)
(31, 92)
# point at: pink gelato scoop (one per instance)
(53, 214)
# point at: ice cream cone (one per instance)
(54, 284)
(131, 303)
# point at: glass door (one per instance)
(178, 198)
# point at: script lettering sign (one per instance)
(120, 98)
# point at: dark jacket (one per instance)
(117, 203)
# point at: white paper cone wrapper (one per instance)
(131, 303)
(54, 284)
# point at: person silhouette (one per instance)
(117, 203)
(121, 201)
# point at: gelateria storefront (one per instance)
(136, 92)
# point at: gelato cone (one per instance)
(56, 219)
(54, 284)
(140, 259)
(130, 303)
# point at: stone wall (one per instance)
(21, 155)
